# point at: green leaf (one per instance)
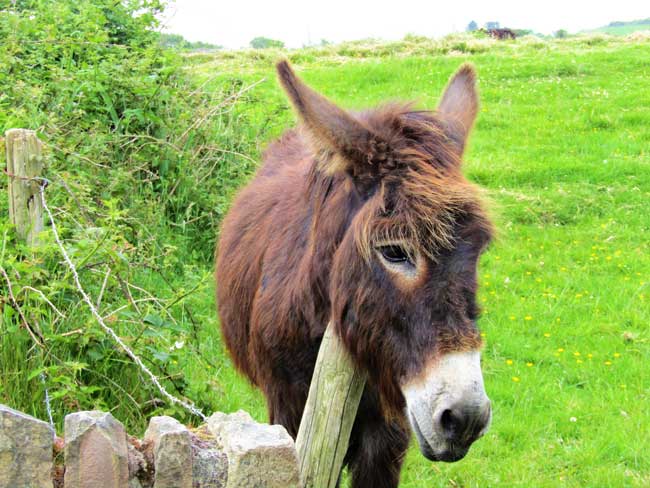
(154, 320)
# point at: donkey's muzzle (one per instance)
(454, 430)
(448, 408)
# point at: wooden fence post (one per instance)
(332, 404)
(24, 162)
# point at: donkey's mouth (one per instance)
(449, 455)
(425, 447)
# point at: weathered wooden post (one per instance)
(24, 162)
(332, 405)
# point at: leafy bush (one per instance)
(143, 162)
(265, 43)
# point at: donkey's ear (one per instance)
(332, 129)
(459, 105)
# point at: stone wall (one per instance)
(229, 451)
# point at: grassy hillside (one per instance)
(624, 28)
(562, 148)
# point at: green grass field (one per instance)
(562, 148)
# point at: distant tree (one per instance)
(324, 42)
(522, 32)
(492, 25)
(472, 26)
(203, 45)
(561, 34)
(176, 41)
(265, 42)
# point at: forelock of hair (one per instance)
(421, 197)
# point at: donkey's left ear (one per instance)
(459, 106)
(331, 128)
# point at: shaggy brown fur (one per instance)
(300, 248)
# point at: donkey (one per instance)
(365, 220)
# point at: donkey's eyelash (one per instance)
(401, 243)
(394, 254)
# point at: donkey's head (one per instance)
(403, 277)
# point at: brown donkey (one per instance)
(366, 220)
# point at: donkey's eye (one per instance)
(394, 254)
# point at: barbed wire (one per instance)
(48, 405)
(171, 398)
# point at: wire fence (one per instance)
(109, 331)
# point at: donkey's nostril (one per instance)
(451, 424)
(461, 425)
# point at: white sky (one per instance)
(233, 23)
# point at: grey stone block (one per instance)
(25, 450)
(259, 455)
(172, 452)
(96, 453)
(210, 464)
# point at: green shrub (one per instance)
(143, 162)
(265, 43)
